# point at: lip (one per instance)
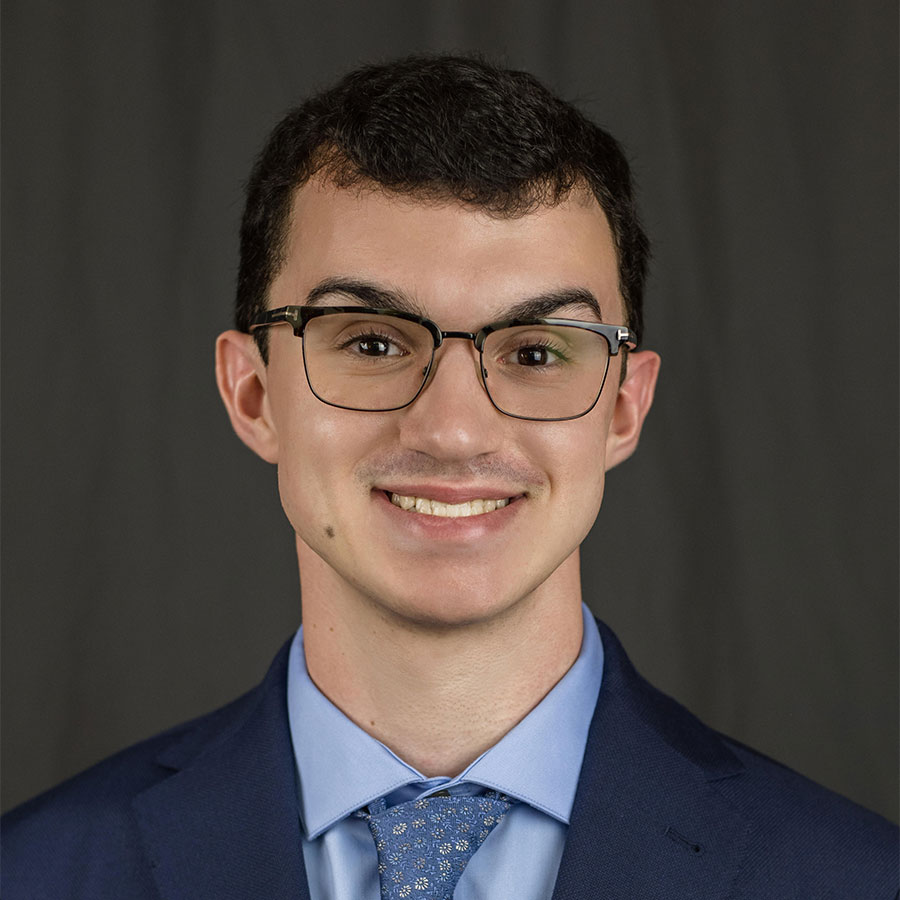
(418, 526)
(453, 493)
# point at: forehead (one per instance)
(456, 260)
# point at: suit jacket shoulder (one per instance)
(682, 811)
(205, 809)
(807, 834)
(665, 808)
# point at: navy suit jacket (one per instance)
(665, 808)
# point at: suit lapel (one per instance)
(647, 819)
(225, 824)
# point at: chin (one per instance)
(446, 606)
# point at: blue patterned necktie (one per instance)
(424, 845)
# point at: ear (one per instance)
(241, 377)
(632, 405)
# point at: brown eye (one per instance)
(374, 347)
(533, 356)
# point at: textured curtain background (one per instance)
(749, 555)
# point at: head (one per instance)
(464, 191)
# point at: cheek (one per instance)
(577, 470)
(575, 451)
(586, 489)
(319, 448)
(308, 463)
(299, 486)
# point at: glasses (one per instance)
(377, 360)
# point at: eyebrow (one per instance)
(548, 303)
(379, 297)
(367, 293)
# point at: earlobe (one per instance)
(632, 405)
(241, 377)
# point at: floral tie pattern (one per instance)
(424, 845)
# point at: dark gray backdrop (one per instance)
(148, 571)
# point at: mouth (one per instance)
(428, 507)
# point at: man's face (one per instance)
(338, 468)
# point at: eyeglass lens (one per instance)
(366, 362)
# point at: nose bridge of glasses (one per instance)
(462, 335)
(466, 336)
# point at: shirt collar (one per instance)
(538, 761)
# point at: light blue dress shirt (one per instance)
(341, 768)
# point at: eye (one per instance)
(371, 344)
(535, 354)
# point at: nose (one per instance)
(453, 418)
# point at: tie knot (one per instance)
(424, 845)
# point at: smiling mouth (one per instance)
(427, 507)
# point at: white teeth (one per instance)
(447, 510)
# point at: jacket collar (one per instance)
(225, 823)
(648, 820)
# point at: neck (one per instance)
(438, 697)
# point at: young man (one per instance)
(439, 308)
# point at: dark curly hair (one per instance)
(437, 127)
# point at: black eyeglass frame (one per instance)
(297, 317)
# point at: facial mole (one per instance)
(329, 531)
